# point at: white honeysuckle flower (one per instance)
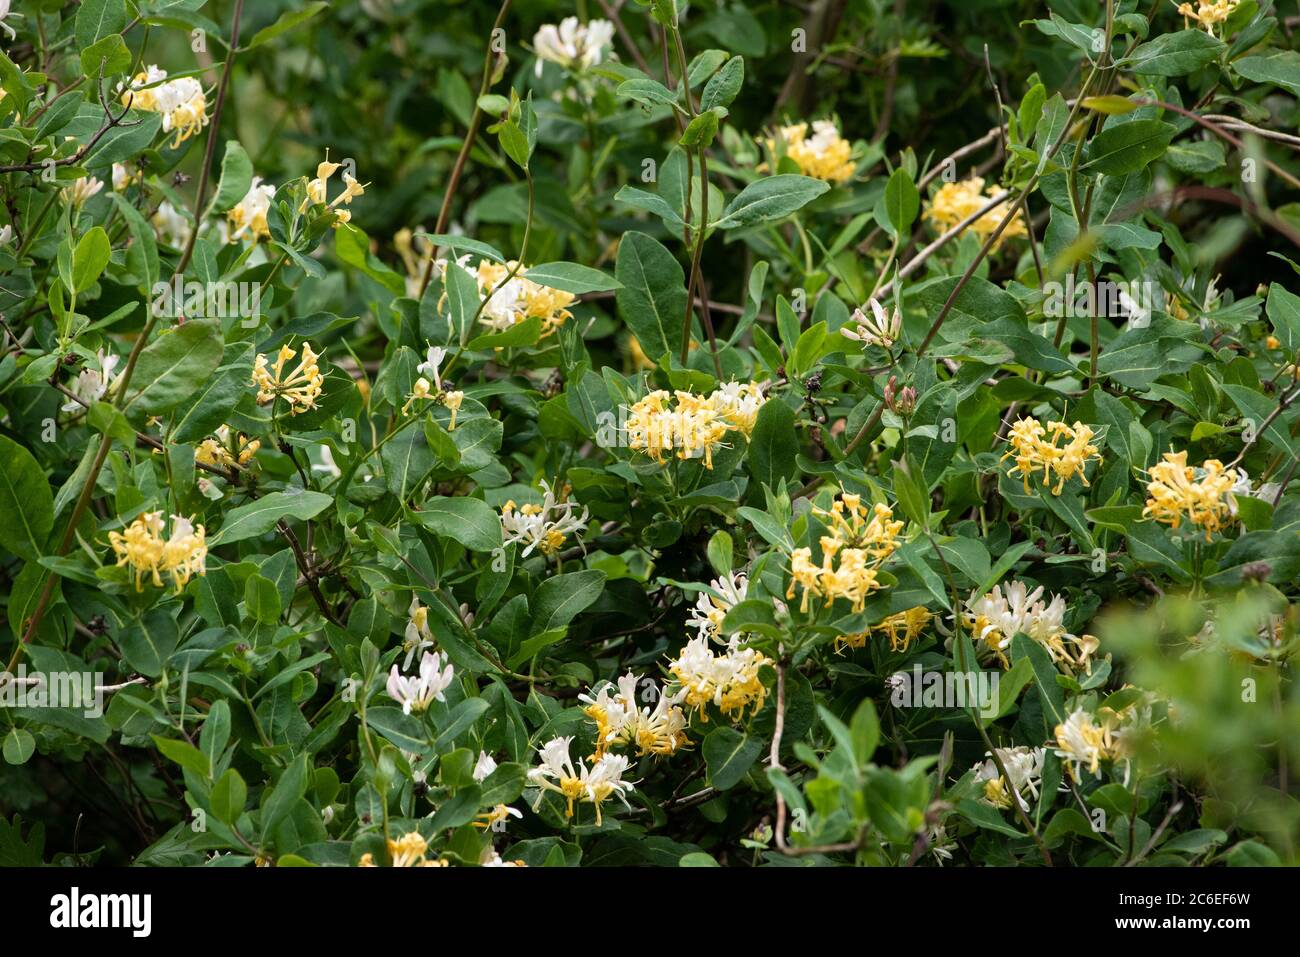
(1081, 742)
(418, 636)
(417, 692)
(82, 189)
(248, 216)
(171, 226)
(572, 44)
(544, 527)
(4, 15)
(6, 234)
(484, 766)
(91, 383)
(879, 329)
(706, 617)
(429, 367)
(605, 780)
(1025, 768)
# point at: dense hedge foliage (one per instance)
(735, 433)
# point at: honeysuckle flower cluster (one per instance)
(955, 202)
(248, 216)
(180, 102)
(318, 191)
(423, 390)
(824, 155)
(621, 721)
(691, 426)
(409, 850)
(300, 387)
(592, 782)
(709, 609)
(514, 298)
(416, 692)
(1207, 13)
(417, 636)
(728, 680)
(542, 527)
(879, 329)
(92, 382)
(858, 543)
(1025, 768)
(219, 451)
(1204, 496)
(901, 628)
(572, 44)
(1081, 742)
(143, 549)
(1035, 448)
(996, 617)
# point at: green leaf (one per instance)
(19, 746)
(287, 21)
(228, 797)
(470, 521)
(648, 92)
(652, 300)
(260, 516)
(97, 19)
(773, 445)
(560, 599)
(26, 502)
(111, 52)
(700, 131)
(236, 177)
(184, 754)
(1127, 147)
(1280, 69)
(262, 599)
(724, 86)
(169, 367)
(286, 793)
(89, 259)
(1049, 691)
(729, 754)
(902, 202)
(1175, 54)
(769, 199)
(148, 641)
(571, 277)
(1283, 310)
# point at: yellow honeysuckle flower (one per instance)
(143, 549)
(300, 387)
(954, 202)
(1177, 492)
(825, 155)
(1033, 452)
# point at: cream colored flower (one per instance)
(180, 102)
(82, 189)
(248, 216)
(1036, 448)
(879, 329)
(729, 591)
(1203, 496)
(543, 527)
(825, 155)
(417, 692)
(955, 202)
(300, 388)
(729, 680)
(1025, 768)
(995, 618)
(573, 45)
